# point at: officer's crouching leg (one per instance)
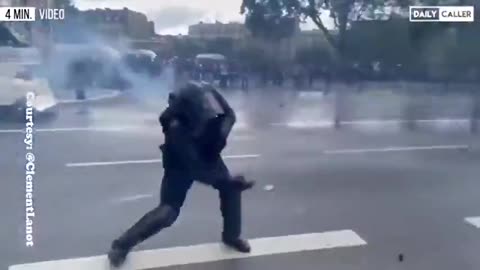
(231, 208)
(151, 223)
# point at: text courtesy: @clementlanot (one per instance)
(29, 169)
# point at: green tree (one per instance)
(270, 19)
(69, 7)
(263, 17)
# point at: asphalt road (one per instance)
(402, 191)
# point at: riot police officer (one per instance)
(196, 125)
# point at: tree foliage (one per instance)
(67, 4)
(69, 7)
(263, 17)
(369, 31)
(266, 17)
(271, 19)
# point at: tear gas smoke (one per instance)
(264, 106)
(108, 66)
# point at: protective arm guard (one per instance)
(229, 118)
(214, 139)
(165, 118)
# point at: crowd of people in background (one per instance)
(233, 74)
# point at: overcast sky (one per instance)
(174, 16)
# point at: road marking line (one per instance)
(67, 129)
(311, 94)
(402, 121)
(11, 130)
(122, 128)
(444, 120)
(208, 252)
(327, 123)
(96, 98)
(145, 161)
(475, 221)
(109, 163)
(305, 124)
(294, 124)
(396, 149)
(132, 198)
(242, 156)
(119, 128)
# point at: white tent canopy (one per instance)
(143, 53)
(211, 56)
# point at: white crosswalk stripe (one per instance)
(208, 252)
(475, 221)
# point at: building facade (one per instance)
(285, 48)
(216, 30)
(120, 23)
(310, 38)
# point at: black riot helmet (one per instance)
(198, 106)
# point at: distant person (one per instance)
(223, 76)
(278, 78)
(311, 78)
(475, 113)
(297, 76)
(244, 78)
(79, 78)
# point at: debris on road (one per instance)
(268, 187)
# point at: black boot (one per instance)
(117, 254)
(237, 244)
(242, 184)
(151, 223)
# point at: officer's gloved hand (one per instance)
(240, 183)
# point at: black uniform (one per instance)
(191, 152)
